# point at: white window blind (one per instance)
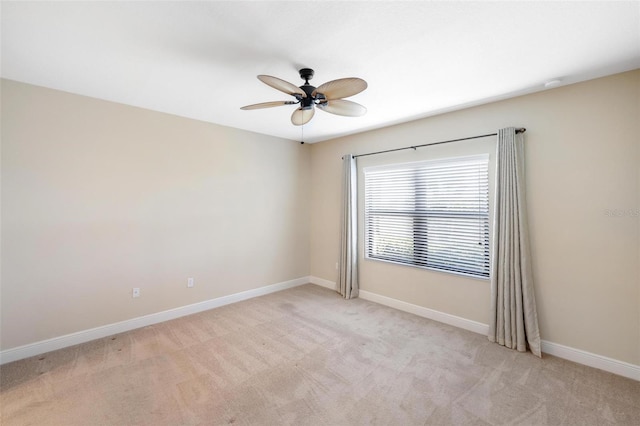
(432, 214)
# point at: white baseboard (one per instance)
(576, 355)
(579, 356)
(611, 365)
(322, 282)
(421, 311)
(60, 342)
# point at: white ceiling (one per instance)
(200, 59)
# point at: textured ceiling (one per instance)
(200, 59)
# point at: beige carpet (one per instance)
(306, 356)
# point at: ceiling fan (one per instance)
(328, 96)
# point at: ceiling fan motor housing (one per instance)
(307, 74)
(307, 103)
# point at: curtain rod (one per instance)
(521, 130)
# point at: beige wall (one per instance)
(98, 198)
(582, 159)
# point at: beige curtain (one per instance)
(514, 320)
(348, 279)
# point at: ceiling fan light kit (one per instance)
(327, 97)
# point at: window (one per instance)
(432, 214)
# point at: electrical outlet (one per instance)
(337, 266)
(136, 292)
(189, 282)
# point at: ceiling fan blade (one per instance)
(268, 104)
(341, 88)
(281, 85)
(343, 107)
(302, 116)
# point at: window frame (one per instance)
(483, 214)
